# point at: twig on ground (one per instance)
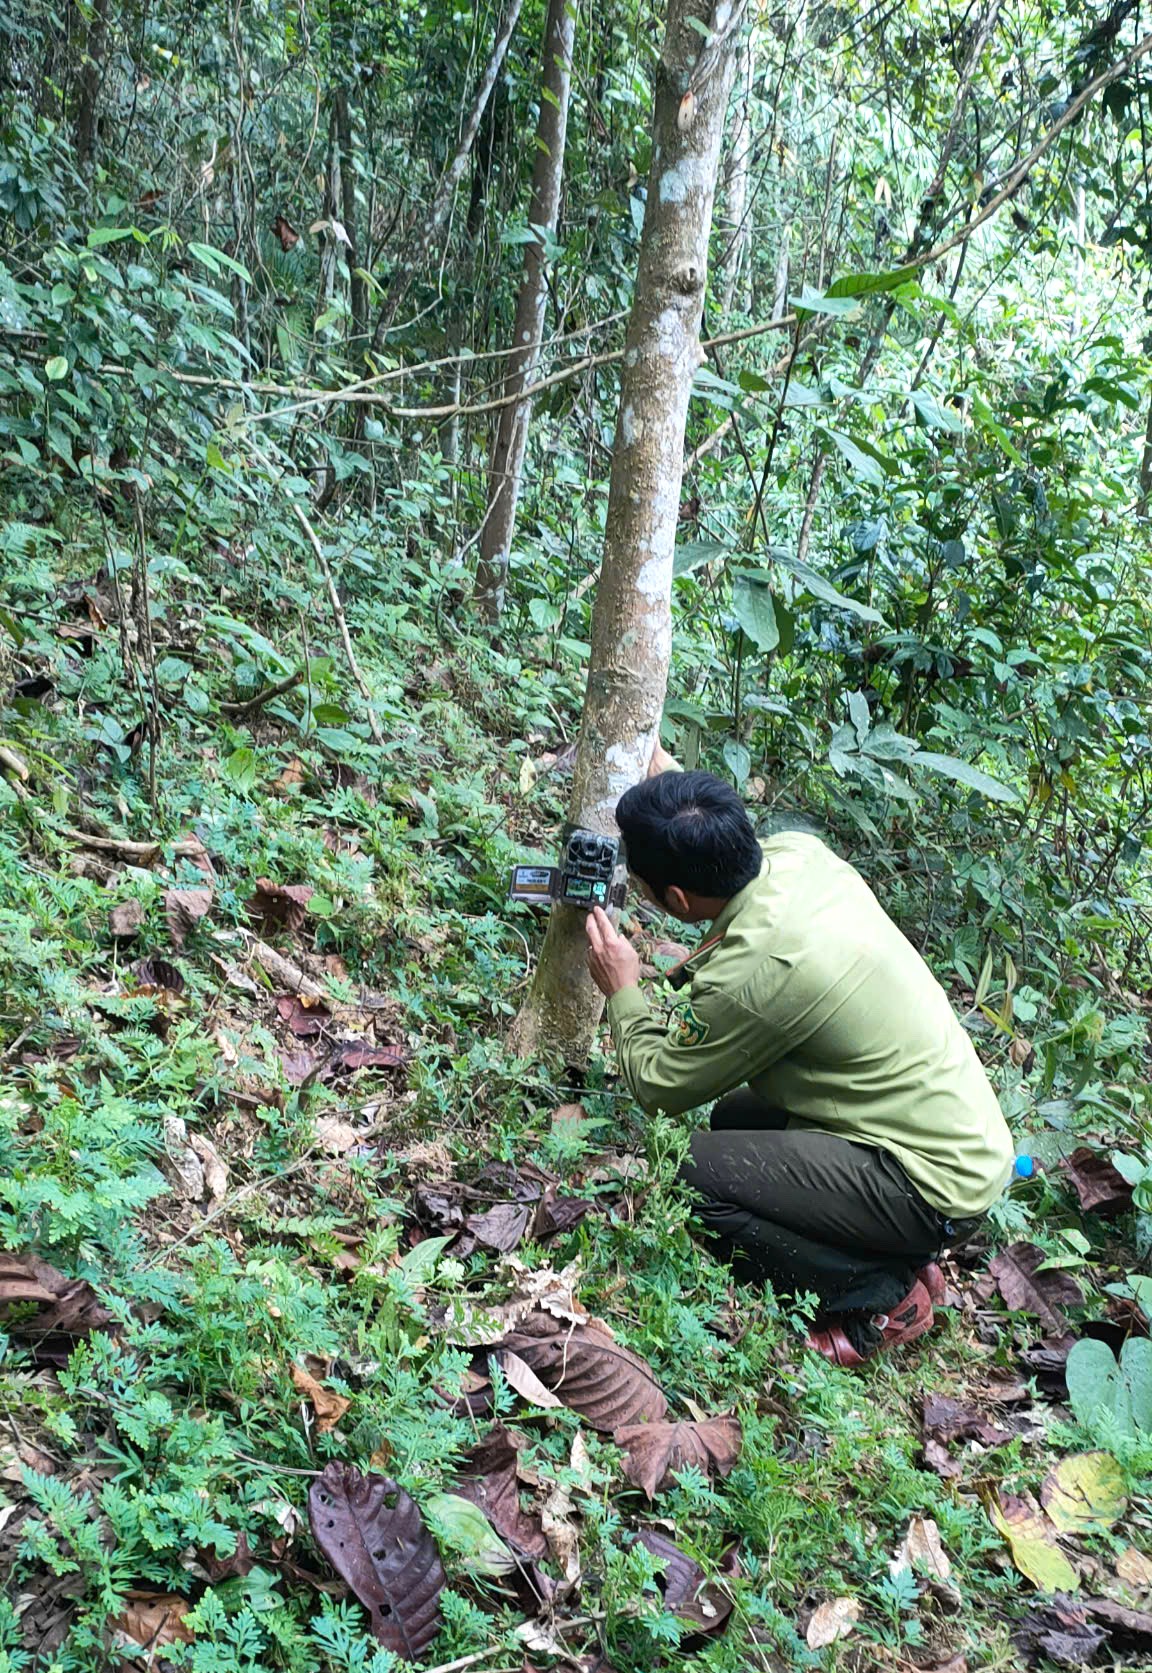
(251, 704)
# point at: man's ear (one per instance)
(677, 903)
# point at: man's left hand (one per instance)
(612, 959)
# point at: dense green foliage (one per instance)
(911, 606)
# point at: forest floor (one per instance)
(274, 1195)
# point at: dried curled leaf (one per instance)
(349, 1055)
(153, 1619)
(304, 1016)
(1027, 1290)
(184, 909)
(688, 1593)
(280, 904)
(492, 1481)
(1100, 1187)
(834, 1619)
(158, 978)
(329, 1407)
(125, 920)
(374, 1537)
(655, 1451)
(592, 1373)
(65, 1306)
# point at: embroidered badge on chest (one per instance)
(687, 1029)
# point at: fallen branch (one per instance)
(11, 762)
(251, 704)
(289, 975)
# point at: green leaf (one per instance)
(933, 416)
(737, 760)
(108, 235)
(963, 773)
(752, 606)
(56, 368)
(214, 259)
(1032, 1542)
(825, 591)
(693, 553)
(817, 302)
(858, 714)
(464, 1527)
(984, 415)
(241, 768)
(871, 284)
(420, 1261)
(1085, 1493)
(862, 462)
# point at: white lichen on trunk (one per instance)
(631, 618)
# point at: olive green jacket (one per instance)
(815, 999)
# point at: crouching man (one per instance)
(856, 1132)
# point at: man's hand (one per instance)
(662, 762)
(612, 959)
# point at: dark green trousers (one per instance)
(808, 1212)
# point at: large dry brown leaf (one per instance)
(1027, 1290)
(183, 909)
(153, 1619)
(305, 1017)
(945, 1419)
(592, 1373)
(65, 1306)
(1101, 1188)
(688, 1594)
(349, 1055)
(374, 1537)
(655, 1451)
(125, 920)
(329, 1407)
(282, 904)
(834, 1619)
(491, 1480)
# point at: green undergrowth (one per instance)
(141, 1460)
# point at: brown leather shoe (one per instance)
(933, 1281)
(908, 1320)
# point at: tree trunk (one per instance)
(357, 290)
(91, 77)
(441, 203)
(511, 439)
(631, 619)
(737, 287)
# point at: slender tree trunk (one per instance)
(88, 91)
(410, 258)
(507, 462)
(357, 290)
(1146, 463)
(631, 618)
(737, 286)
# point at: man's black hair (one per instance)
(691, 831)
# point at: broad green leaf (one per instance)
(825, 591)
(1136, 1369)
(858, 714)
(933, 416)
(419, 1263)
(693, 553)
(984, 415)
(871, 284)
(213, 259)
(752, 606)
(56, 368)
(863, 462)
(818, 302)
(948, 766)
(1032, 1542)
(464, 1527)
(1085, 1493)
(108, 235)
(737, 760)
(241, 768)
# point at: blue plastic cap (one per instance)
(1025, 1167)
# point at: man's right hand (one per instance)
(662, 762)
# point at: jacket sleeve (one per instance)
(713, 1045)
